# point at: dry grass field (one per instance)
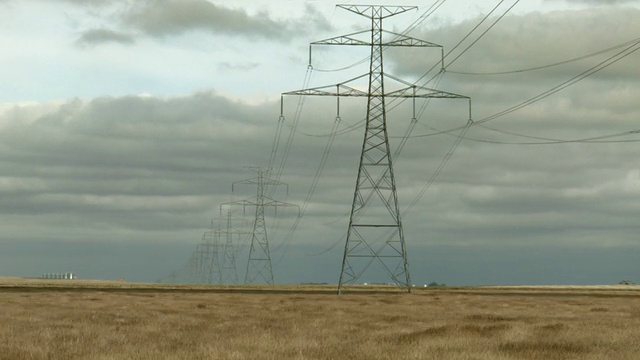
(104, 320)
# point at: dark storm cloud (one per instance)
(101, 36)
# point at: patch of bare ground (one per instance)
(307, 323)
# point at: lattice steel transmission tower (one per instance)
(229, 272)
(213, 262)
(259, 267)
(208, 270)
(375, 233)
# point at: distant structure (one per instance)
(214, 259)
(259, 269)
(228, 271)
(375, 234)
(60, 276)
(206, 260)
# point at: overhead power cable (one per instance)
(594, 139)
(340, 240)
(314, 185)
(474, 29)
(628, 50)
(542, 67)
(544, 140)
(485, 18)
(439, 169)
(287, 147)
(486, 31)
(425, 15)
(585, 74)
(276, 142)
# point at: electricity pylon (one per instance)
(207, 253)
(204, 264)
(229, 272)
(375, 233)
(259, 263)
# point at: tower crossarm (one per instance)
(398, 40)
(407, 41)
(266, 201)
(423, 93)
(256, 181)
(345, 40)
(262, 202)
(326, 91)
(341, 89)
(378, 12)
(413, 91)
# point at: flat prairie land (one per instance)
(111, 320)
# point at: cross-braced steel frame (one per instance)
(375, 233)
(229, 272)
(259, 269)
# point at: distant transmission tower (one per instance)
(259, 263)
(229, 272)
(375, 229)
(207, 253)
(204, 264)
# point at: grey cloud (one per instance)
(602, 103)
(532, 40)
(156, 169)
(101, 36)
(169, 17)
(120, 156)
(514, 193)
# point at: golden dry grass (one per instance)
(44, 321)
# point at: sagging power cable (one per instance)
(542, 67)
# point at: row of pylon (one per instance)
(214, 259)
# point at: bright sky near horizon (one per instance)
(123, 124)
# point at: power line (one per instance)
(473, 30)
(439, 169)
(548, 141)
(486, 31)
(314, 184)
(633, 47)
(542, 67)
(585, 74)
(296, 119)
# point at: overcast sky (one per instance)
(124, 123)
